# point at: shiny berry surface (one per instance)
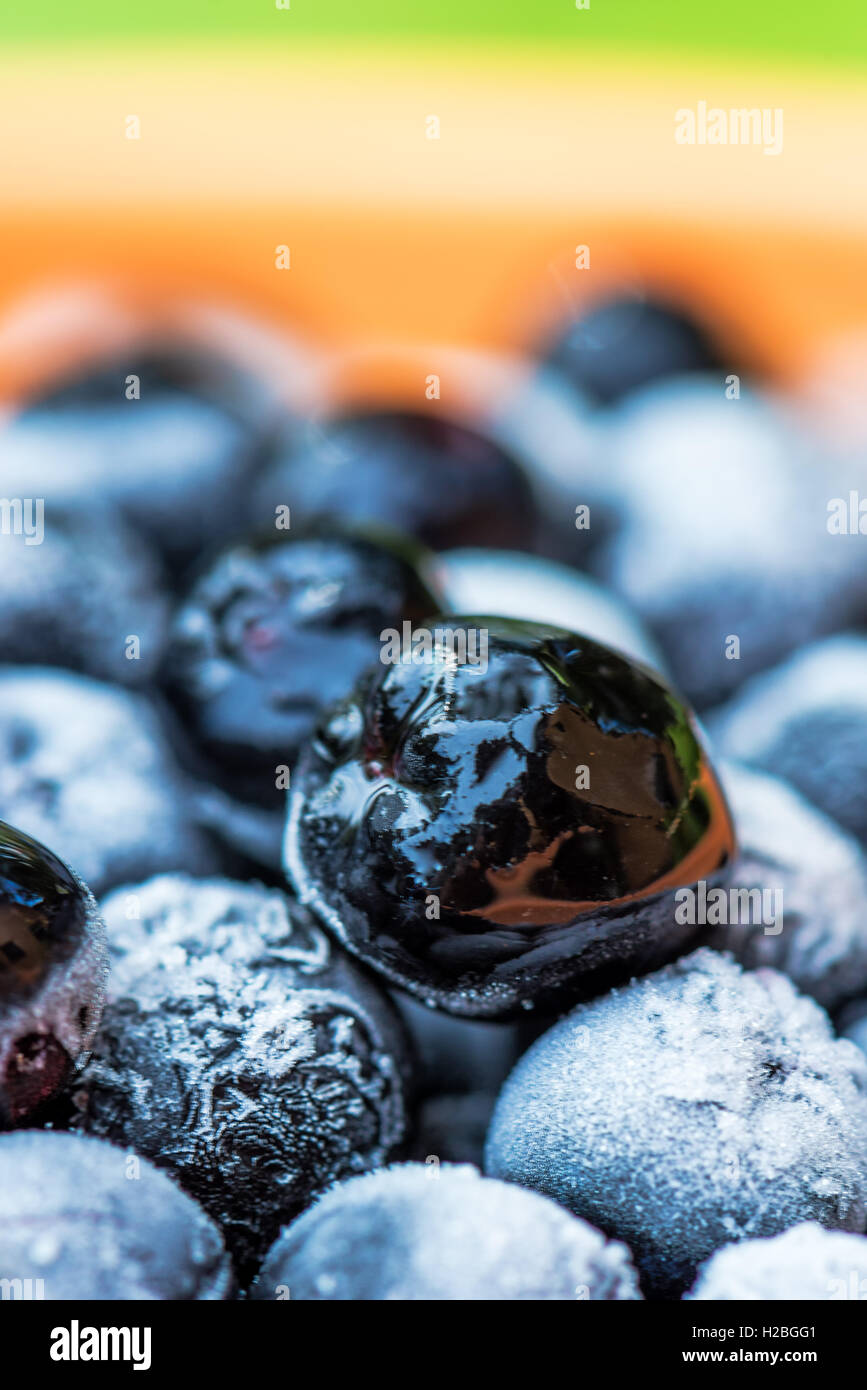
(52, 974)
(624, 343)
(276, 631)
(43, 918)
(498, 836)
(421, 473)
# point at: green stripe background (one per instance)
(806, 29)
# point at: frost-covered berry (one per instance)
(698, 1106)
(169, 437)
(83, 591)
(241, 1052)
(563, 442)
(420, 473)
(807, 721)
(53, 964)
(513, 585)
(427, 1232)
(81, 1219)
(86, 769)
(497, 833)
(798, 891)
(722, 544)
(806, 1262)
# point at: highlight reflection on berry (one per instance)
(52, 974)
(495, 838)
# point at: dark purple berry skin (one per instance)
(53, 964)
(438, 827)
(420, 473)
(272, 634)
(620, 345)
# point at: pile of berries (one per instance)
(371, 895)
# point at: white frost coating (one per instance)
(77, 596)
(86, 770)
(176, 463)
(74, 453)
(806, 720)
(94, 1223)
(789, 848)
(723, 532)
(241, 1052)
(513, 585)
(412, 1232)
(830, 675)
(181, 919)
(716, 469)
(694, 1107)
(806, 1262)
(558, 437)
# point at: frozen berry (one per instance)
(80, 590)
(53, 964)
(806, 1262)
(798, 890)
(527, 587)
(564, 446)
(274, 632)
(807, 721)
(241, 1052)
(171, 438)
(420, 473)
(621, 344)
(80, 1219)
(422, 1233)
(695, 1107)
(499, 817)
(722, 545)
(85, 768)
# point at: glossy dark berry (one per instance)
(497, 835)
(81, 1219)
(53, 963)
(420, 473)
(177, 461)
(242, 1052)
(274, 632)
(621, 344)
